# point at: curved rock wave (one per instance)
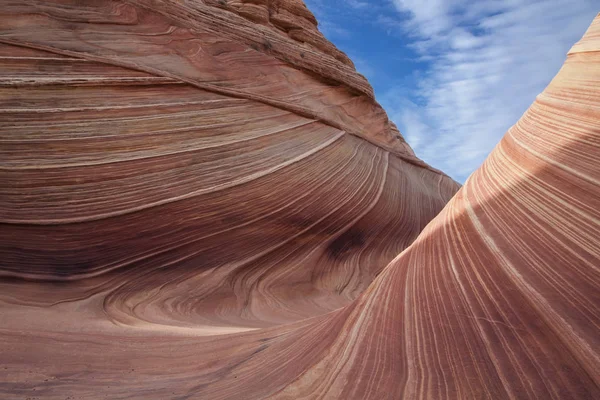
(175, 168)
(203, 200)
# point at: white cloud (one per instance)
(428, 17)
(357, 4)
(488, 61)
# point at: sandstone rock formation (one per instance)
(203, 200)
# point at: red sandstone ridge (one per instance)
(203, 200)
(217, 46)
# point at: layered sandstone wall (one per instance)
(202, 199)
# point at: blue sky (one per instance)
(454, 75)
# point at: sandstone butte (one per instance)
(203, 200)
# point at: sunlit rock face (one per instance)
(203, 200)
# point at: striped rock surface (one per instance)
(203, 200)
(181, 172)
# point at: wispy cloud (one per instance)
(357, 4)
(487, 62)
(455, 74)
